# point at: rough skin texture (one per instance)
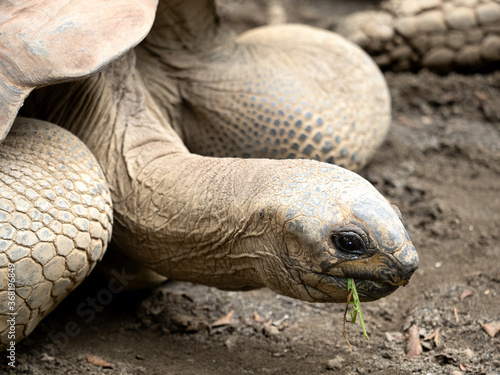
(441, 35)
(299, 227)
(278, 109)
(55, 220)
(260, 95)
(231, 223)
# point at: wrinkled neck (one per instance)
(113, 114)
(200, 217)
(183, 25)
(186, 216)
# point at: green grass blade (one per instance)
(357, 305)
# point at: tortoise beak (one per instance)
(381, 274)
(394, 268)
(407, 258)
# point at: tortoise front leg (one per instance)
(55, 222)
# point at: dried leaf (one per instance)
(422, 332)
(473, 274)
(431, 336)
(414, 348)
(98, 362)
(481, 95)
(463, 367)
(434, 335)
(46, 358)
(466, 293)
(257, 317)
(455, 313)
(408, 122)
(436, 338)
(279, 322)
(224, 321)
(491, 328)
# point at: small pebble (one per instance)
(426, 120)
(271, 331)
(231, 342)
(335, 363)
(469, 353)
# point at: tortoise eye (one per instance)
(349, 243)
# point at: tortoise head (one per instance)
(336, 226)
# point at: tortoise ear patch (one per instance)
(49, 41)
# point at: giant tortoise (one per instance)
(210, 156)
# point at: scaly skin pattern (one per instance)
(299, 227)
(442, 35)
(55, 221)
(228, 222)
(258, 95)
(266, 223)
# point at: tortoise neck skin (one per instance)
(226, 222)
(184, 25)
(183, 31)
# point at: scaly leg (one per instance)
(55, 222)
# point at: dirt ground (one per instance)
(440, 165)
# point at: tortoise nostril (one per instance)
(407, 256)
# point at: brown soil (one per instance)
(440, 165)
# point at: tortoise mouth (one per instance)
(375, 276)
(369, 290)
